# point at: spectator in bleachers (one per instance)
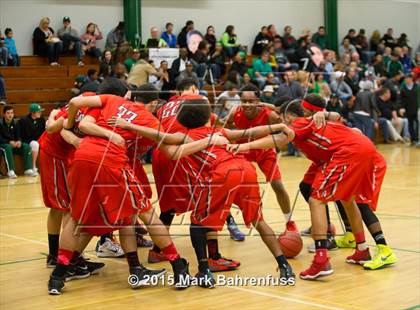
(4, 52)
(106, 66)
(116, 37)
(267, 94)
(178, 64)
(320, 86)
(182, 36)
(228, 100)
(340, 88)
(281, 57)
(289, 86)
(346, 48)
(302, 53)
(402, 41)
(262, 40)
(410, 100)
(395, 66)
(239, 63)
(91, 83)
(31, 127)
(233, 78)
(2, 89)
(406, 60)
(218, 58)
(141, 72)
(261, 68)
(320, 38)
(387, 56)
(89, 39)
(168, 35)
(335, 105)
(351, 79)
(11, 143)
(11, 47)
(120, 72)
(289, 41)
(378, 66)
(163, 82)
(132, 60)
(388, 39)
(71, 40)
(362, 46)
(230, 41)
(211, 39)
(46, 43)
(188, 73)
(201, 62)
(155, 41)
(375, 42)
(272, 32)
(351, 36)
(246, 79)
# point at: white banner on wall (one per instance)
(159, 54)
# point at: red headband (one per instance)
(309, 106)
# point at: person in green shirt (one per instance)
(230, 41)
(262, 68)
(320, 38)
(394, 66)
(131, 61)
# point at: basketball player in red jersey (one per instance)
(105, 193)
(248, 115)
(352, 169)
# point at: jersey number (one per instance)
(126, 114)
(170, 110)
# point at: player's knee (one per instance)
(305, 190)
(34, 145)
(277, 186)
(368, 216)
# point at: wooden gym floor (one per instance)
(23, 244)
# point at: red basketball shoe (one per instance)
(223, 264)
(320, 267)
(359, 257)
(292, 227)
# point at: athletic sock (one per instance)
(229, 219)
(327, 210)
(213, 248)
(53, 244)
(166, 219)
(170, 252)
(360, 241)
(60, 270)
(75, 257)
(198, 240)
(321, 252)
(103, 238)
(379, 237)
(133, 259)
(282, 262)
(287, 216)
(63, 261)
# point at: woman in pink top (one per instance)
(89, 40)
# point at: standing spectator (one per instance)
(168, 36)
(178, 64)
(410, 102)
(352, 80)
(388, 39)
(89, 38)
(116, 37)
(11, 47)
(11, 143)
(141, 72)
(230, 41)
(239, 64)
(31, 128)
(106, 67)
(261, 41)
(395, 66)
(261, 68)
(346, 48)
(46, 43)
(375, 42)
(132, 60)
(182, 36)
(402, 41)
(155, 41)
(281, 57)
(4, 52)
(320, 38)
(289, 41)
(71, 40)
(210, 37)
(362, 46)
(351, 36)
(340, 88)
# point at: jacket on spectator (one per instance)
(170, 39)
(211, 40)
(182, 38)
(353, 83)
(9, 132)
(67, 31)
(365, 102)
(385, 107)
(31, 129)
(341, 89)
(289, 42)
(241, 68)
(39, 37)
(260, 42)
(292, 90)
(114, 38)
(410, 100)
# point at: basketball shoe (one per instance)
(359, 257)
(222, 264)
(292, 227)
(234, 231)
(110, 248)
(55, 285)
(320, 267)
(383, 256)
(141, 276)
(155, 257)
(347, 241)
(205, 279)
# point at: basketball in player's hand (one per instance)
(290, 243)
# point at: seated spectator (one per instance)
(120, 72)
(375, 42)
(116, 37)
(320, 38)
(239, 64)
(330, 60)
(346, 48)
(2, 89)
(188, 73)
(261, 68)
(106, 66)
(11, 47)
(132, 60)
(227, 101)
(406, 60)
(201, 61)
(71, 40)
(141, 72)
(388, 39)
(378, 66)
(233, 78)
(182, 36)
(272, 80)
(167, 84)
(335, 105)
(262, 40)
(410, 93)
(155, 41)
(4, 52)
(11, 143)
(347, 111)
(211, 39)
(168, 36)
(281, 57)
(230, 41)
(395, 66)
(272, 58)
(289, 86)
(362, 46)
(246, 80)
(79, 81)
(88, 40)
(31, 127)
(272, 32)
(402, 41)
(351, 36)
(289, 41)
(218, 58)
(46, 43)
(387, 56)
(340, 88)
(163, 79)
(267, 95)
(302, 53)
(178, 64)
(91, 83)
(351, 79)
(320, 86)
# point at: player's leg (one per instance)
(233, 229)
(155, 254)
(34, 145)
(78, 259)
(283, 200)
(53, 230)
(346, 241)
(320, 265)
(108, 246)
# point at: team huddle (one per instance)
(94, 183)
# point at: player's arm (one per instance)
(321, 117)
(71, 138)
(54, 125)
(88, 126)
(273, 141)
(228, 121)
(254, 132)
(78, 102)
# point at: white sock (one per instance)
(287, 216)
(362, 246)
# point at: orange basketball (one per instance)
(290, 243)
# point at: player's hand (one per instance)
(117, 139)
(77, 142)
(319, 119)
(54, 113)
(118, 122)
(218, 140)
(237, 148)
(66, 124)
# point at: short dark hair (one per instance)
(194, 113)
(168, 24)
(381, 91)
(189, 22)
(7, 31)
(145, 93)
(293, 107)
(282, 100)
(352, 30)
(321, 27)
(91, 72)
(251, 88)
(186, 83)
(7, 108)
(315, 100)
(112, 86)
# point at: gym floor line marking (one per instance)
(21, 261)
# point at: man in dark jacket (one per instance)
(261, 41)
(182, 36)
(11, 143)
(409, 101)
(31, 128)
